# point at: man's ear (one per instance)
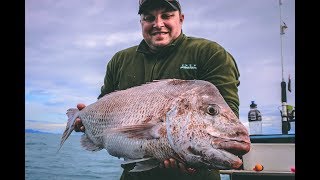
(181, 18)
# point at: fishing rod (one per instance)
(284, 114)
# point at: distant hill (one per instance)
(43, 132)
(35, 131)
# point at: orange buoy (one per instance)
(258, 167)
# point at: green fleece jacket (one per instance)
(185, 58)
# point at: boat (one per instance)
(272, 156)
(274, 152)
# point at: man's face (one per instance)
(161, 27)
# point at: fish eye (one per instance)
(213, 109)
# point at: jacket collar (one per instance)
(144, 48)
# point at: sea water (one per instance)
(72, 162)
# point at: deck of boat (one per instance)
(275, 152)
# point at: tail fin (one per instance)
(72, 114)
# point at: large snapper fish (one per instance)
(183, 119)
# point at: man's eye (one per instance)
(166, 16)
(149, 18)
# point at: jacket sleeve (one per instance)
(220, 68)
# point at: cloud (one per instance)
(69, 43)
(112, 39)
(214, 25)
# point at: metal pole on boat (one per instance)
(285, 126)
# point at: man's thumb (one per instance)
(80, 106)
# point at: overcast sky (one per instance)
(69, 43)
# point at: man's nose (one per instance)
(158, 23)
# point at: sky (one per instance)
(69, 43)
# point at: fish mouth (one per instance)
(232, 146)
(233, 162)
(213, 157)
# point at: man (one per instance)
(165, 52)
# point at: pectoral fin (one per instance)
(140, 165)
(141, 131)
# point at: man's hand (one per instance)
(172, 163)
(78, 126)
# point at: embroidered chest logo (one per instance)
(188, 66)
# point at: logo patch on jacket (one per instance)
(188, 66)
